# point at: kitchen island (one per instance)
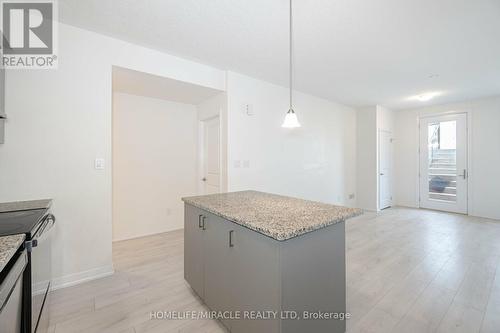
(267, 263)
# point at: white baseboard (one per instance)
(81, 277)
(119, 239)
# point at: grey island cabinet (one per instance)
(267, 263)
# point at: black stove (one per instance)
(21, 222)
(35, 224)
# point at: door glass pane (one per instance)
(442, 164)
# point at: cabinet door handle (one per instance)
(203, 222)
(231, 232)
(199, 221)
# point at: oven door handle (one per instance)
(48, 223)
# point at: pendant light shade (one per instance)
(291, 120)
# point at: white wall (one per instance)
(154, 164)
(370, 121)
(385, 119)
(315, 162)
(54, 136)
(484, 154)
(366, 160)
(59, 122)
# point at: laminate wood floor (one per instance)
(408, 270)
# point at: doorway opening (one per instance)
(210, 155)
(156, 150)
(443, 163)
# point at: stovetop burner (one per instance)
(18, 222)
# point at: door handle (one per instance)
(231, 232)
(381, 174)
(201, 221)
(204, 179)
(464, 175)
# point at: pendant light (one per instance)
(291, 120)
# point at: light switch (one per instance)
(99, 164)
(237, 164)
(246, 164)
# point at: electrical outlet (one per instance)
(246, 164)
(351, 196)
(237, 164)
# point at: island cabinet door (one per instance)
(314, 279)
(255, 281)
(193, 248)
(218, 269)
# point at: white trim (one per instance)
(39, 288)
(147, 234)
(81, 277)
(470, 173)
(201, 171)
(444, 113)
(417, 187)
(220, 152)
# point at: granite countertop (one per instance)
(276, 216)
(25, 205)
(8, 247)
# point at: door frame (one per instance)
(391, 133)
(470, 173)
(201, 153)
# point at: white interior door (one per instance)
(385, 169)
(211, 156)
(443, 163)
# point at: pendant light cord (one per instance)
(291, 55)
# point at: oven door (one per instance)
(11, 295)
(41, 274)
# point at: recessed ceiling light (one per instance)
(425, 96)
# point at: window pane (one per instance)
(442, 143)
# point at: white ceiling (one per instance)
(138, 83)
(357, 52)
